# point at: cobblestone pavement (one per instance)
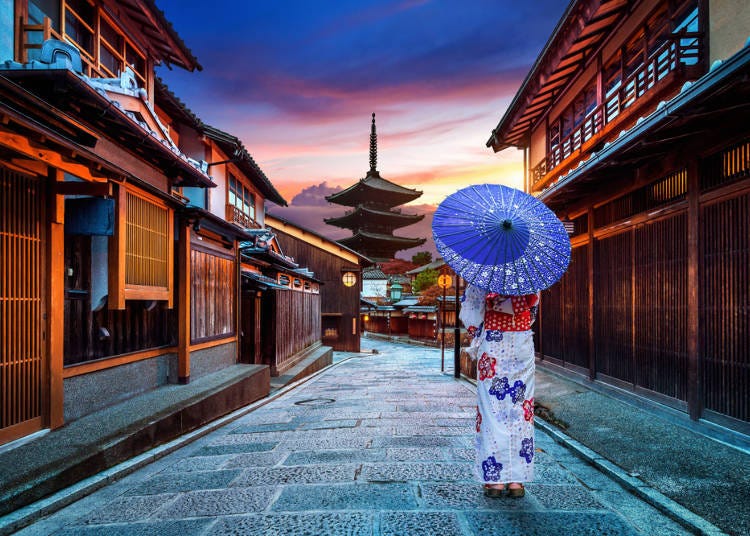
(378, 444)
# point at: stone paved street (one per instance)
(378, 444)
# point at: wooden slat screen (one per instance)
(575, 308)
(725, 306)
(298, 322)
(564, 313)
(550, 319)
(660, 351)
(21, 292)
(613, 292)
(147, 243)
(214, 291)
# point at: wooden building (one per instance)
(338, 270)
(635, 127)
(374, 217)
(111, 284)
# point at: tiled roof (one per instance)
(234, 148)
(373, 273)
(373, 184)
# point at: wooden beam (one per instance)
(184, 286)
(24, 146)
(28, 166)
(99, 189)
(55, 299)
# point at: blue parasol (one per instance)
(501, 239)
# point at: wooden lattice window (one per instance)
(142, 253)
(105, 50)
(726, 166)
(104, 45)
(240, 203)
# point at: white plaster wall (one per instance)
(374, 288)
(729, 27)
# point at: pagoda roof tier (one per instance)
(374, 187)
(379, 246)
(362, 215)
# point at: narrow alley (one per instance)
(378, 444)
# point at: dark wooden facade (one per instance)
(339, 304)
(656, 299)
(104, 270)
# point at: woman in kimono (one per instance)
(503, 348)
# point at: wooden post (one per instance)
(592, 316)
(694, 379)
(55, 298)
(183, 314)
(442, 329)
(238, 303)
(116, 298)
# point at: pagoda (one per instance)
(373, 217)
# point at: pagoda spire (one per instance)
(374, 218)
(373, 146)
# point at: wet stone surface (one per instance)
(350, 524)
(420, 524)
(377, 445)
(347, 497)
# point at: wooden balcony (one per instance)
(676, 61)
(235, 215)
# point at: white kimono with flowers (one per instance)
(505, 384)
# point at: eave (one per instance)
(374, 187)
(30, 127)
(146, 20)
(235, 150)
(361, 213)
(717, 100)
(380, 240)
(580, 32)
(67, 91)
(204, 219)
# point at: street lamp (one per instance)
(396, 289)
(444, 281)
(349, 279)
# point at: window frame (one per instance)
(241, 197)
(92, 59)
(119, 290)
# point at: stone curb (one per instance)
(27, 515)
(672, 509)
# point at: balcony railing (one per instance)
(235, 215)
(675, 54)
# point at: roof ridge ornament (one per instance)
(373, 146)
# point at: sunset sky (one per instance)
(297, 81)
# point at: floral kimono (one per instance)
(503, 348)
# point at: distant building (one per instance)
(338, 270)
(635, 128)
(374, 216)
